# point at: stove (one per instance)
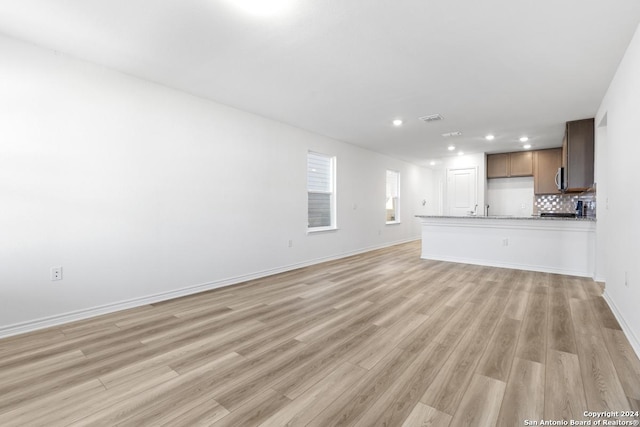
(558, 214)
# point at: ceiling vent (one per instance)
(448, 134)
(431, 118)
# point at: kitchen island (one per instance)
(553, 245)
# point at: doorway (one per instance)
(462, 191)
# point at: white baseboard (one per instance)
(515, 266)
(60, 319)
(633, 339)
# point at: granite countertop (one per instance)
(532, 217)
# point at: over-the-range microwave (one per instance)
(561, 179)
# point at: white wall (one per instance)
(618, 151)
(139, 191)
(510, 196)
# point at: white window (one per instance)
(393, 197)
(321, 170)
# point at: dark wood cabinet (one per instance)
(505, 165)
(545, 168)
(521, 163)
(498, 165)
(578, 155)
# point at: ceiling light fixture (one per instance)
(489, 137)
(526, 146)
(460, 153)
(451, 147)
(524, 139)
(432, 163)
(397, 122)
(263, 8)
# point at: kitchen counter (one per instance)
(501, 217)
(547, 244)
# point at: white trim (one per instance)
(515, 266)
(321, 229)
(60, 319)
(628, 332)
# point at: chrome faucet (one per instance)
(474, 212)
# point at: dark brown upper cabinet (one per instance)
(578, 155)
(507, 165)
(521, 163)
(498, 165)
(545, 170)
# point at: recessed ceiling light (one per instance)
(524, 139)
(432, 163)
(451, 147)
(489, 137)
(526, 146)
(460, 153)
(397, 122)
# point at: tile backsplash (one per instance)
(565, 203)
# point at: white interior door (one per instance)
(462, 191)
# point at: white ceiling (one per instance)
(347, 68)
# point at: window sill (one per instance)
(320, 229)
(393, 222)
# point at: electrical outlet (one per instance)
(56, 273)
(290, 243)
(505, 242)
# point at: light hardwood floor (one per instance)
(382, 338)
